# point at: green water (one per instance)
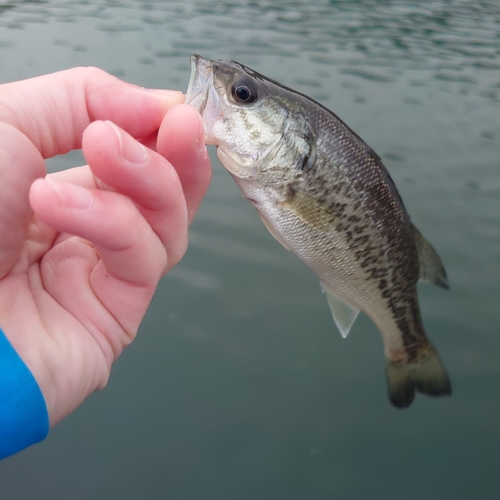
(238, 386)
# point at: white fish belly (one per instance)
(328, 256)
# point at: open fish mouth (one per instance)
(201, 94)
(199, 83)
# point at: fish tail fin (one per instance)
(425, 374)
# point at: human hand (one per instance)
(82, 250)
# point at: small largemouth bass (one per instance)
(326, 196)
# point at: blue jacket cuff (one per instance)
(23, 413)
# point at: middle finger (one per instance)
(144, 176)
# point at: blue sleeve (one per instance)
(23, 414)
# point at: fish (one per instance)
(326, 196)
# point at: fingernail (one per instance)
(71, 196)
(132, 150)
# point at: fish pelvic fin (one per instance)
(431, 267)
(344, 314)
(425, 374)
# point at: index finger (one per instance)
(54, 110)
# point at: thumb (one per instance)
(20, 164)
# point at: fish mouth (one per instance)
(202, 95)
(200, 81)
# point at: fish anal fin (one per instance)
(344, 314)
(431, 267)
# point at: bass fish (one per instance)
(326, 196)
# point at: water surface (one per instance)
(239, 386)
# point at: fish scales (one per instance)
(376, 229)
(325, 195)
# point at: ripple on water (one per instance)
(454, 77)
(367, 74)
(153, 19)
(149, 61)
(308, 82)
(42, 19)
(119, 27)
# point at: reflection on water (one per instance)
(238, 385)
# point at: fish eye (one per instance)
(244, 92)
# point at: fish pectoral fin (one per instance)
(273, 232)
(310, 210)
(431, 268)
(344, 314)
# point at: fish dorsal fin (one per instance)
(431, 268)
(343, 313)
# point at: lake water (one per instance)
(239, 386)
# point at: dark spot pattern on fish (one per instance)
(382, 240)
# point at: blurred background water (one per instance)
(238, 385)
